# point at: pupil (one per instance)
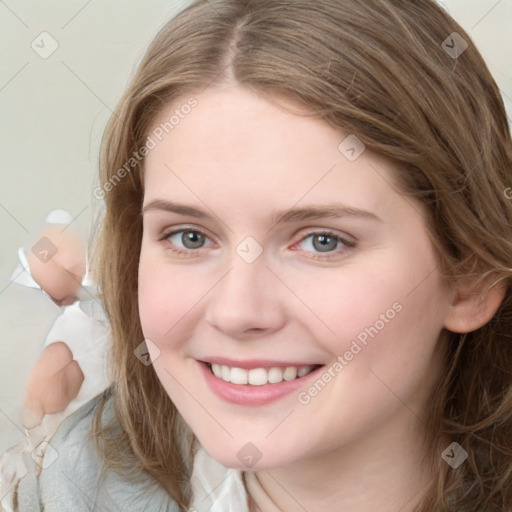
(192, 240)
(326, 243)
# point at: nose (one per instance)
(247, 303)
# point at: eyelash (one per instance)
(186, 253)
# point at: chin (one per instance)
(247, 456)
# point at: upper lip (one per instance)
(250, 364)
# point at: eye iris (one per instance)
(192, 240)
(325, 243)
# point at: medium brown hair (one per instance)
(377, 69)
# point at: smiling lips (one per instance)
(255, 382)
(260, 376)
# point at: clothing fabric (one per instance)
(68, 475)
(87, 336)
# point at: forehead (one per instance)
(237, 146)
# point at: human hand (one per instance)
(53, 382)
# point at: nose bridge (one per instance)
(246, 283)
(248, 276)
(245, 298)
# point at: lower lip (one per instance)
(246, 394)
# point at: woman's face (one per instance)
(278, 254)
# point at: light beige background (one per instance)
(53, 113)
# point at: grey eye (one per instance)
(324, 243)
(321, 242)
(192, 240)
(187, 239)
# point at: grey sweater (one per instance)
(70, 477)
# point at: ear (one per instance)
(474, 305)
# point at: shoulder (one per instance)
(73, 476)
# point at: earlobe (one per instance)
(473, 307)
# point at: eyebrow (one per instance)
(332, 211)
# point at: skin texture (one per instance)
(55, 378)
(356, 445)
(61, 273)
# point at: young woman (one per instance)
(305, 260)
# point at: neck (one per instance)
(383, 471)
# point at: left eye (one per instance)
(323, 242)
(189, 239)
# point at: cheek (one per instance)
(343, 303)
(393, 304)
(167, 296)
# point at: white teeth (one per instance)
(216, 370)
(260, 376)
(275, 375)
(238, 376)
(225, 373)
(290, 373)
(304, 370)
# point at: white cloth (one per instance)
(22, 276)
(215, 487)
(89, 341)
